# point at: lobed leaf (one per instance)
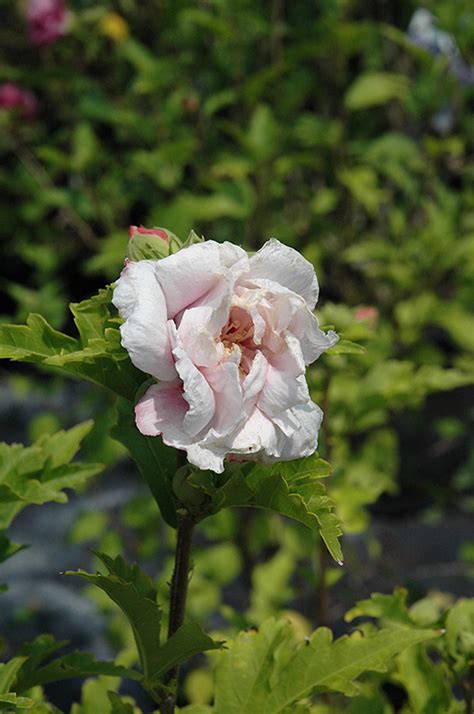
(96, 356)
(268, 671)
(41, 472)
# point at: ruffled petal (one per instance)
(161, 410)
(257, 437)
(141, 303)
(224, 380)
(313, 341)
(196, 390)
(285, 266)
(187, 276)
(295, 442)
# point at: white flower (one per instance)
(228, 338)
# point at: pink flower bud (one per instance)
(47, 20)
(142, 231)
(14, 98)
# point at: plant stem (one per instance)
(178, 594)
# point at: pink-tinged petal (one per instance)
(305, 327)
(297, 442)
(224, 380)
(285, 266)
(257, 437)
(196, 390)
(141, 303)
(197, 339)
(255, 380)
(189, 274)
(161, 410)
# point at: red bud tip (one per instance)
(141, 230)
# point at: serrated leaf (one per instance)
(68, 666)
(300, 496)
(187, 641)
(268, 671)
(135, 595)
(40, 473)
(157, 462)
(388, 608)
(97, 356)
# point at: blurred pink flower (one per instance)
(14, 98)
(367, 314)
(228, 337)
(47, 20)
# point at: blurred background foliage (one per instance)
(322, 124)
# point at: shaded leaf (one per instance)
(156, 461)
(135, 595)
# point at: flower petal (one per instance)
(140, 301)
(295, 443)
(196, 390)
(257, 437)
(284, 265)
(189, 274)
(161, 410)
(313, 341)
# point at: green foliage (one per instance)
(156, 461)
(292, 489)
(96, 356)
(40, 473)
(135, 595)
(268, 671)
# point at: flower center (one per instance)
(239, 331)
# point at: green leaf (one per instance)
(375, 88)
(40, 473)
(75, 664)
(97, 356)
(156, 461)
(346, 347)
(388, 608)
(291, 488)
(135, 595)
(8, 673)
(268, 671)
(118, 705)
(460, 631)
(294, 490)
(7, 548)
(425, 682)
(187, 641)
(14, 700)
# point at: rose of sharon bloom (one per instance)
(228, 336)
(47, 20)
(13, 97)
